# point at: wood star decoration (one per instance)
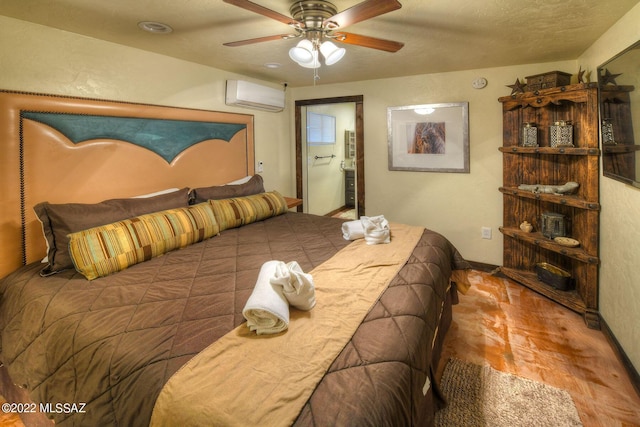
(517, 87)
(607, 77)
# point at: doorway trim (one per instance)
(359, 101)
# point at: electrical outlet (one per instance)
(486, 232)
(260, 168)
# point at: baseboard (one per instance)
(481, 266)
(617, 348)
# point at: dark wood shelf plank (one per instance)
(567, 200)
(569, 299)
(556, 151)
(539, 240)
(620, 148)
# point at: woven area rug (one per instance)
(481, 396)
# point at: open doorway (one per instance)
(319, 157)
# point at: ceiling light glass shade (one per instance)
(302, 52)
(331, 53)
(313, 63)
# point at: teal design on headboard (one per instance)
(167, 138)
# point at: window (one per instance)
(321, 129)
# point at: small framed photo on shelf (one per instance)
(429, 137)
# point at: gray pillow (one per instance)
(59, 220)
(217, 192)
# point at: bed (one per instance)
(106, 351)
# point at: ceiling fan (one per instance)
(318, 22)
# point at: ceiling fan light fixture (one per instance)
(331, 52)
(313, 63)
(317, 20)
(302, 52)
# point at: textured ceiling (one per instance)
(439, 35)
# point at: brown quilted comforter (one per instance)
(113, 343)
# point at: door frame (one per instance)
(359, 102)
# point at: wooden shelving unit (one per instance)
(546, 165)
(349, 144)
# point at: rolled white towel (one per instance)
(376, 229)
(298, 287)
(267, 309)
(352, 230)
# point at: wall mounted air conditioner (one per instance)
(251, 95)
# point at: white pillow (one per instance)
(157, 193)
(240, 181)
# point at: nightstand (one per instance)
(292, 202)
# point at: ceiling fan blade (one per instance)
(253, 7)
(260, 40)
(365, 10)
(366, 41)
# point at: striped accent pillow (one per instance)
(106, 249)
(238, 211)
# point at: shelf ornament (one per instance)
(608, 78)
(561, 134)
(517, 87)
(607, 132)
(553, 225)
(581, 75)
(529, 135)
(568, 188)
(526, 227)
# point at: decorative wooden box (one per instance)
(554, 276)
(548, 80)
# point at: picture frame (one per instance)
(429, 137)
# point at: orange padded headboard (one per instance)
(66, 149)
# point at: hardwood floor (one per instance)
(8, 419)
(513, 329)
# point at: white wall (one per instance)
(619, 218)
(36, 58)
(456, 205)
